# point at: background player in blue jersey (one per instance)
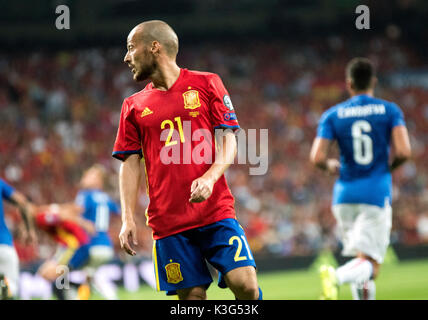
(97, 207)
(364, 127)
(9, 264)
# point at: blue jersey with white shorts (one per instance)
(6, 192)
(97, 207)
(362, 127)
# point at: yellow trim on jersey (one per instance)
(145, 170)
(147, 185)
(66, 256)
(146, 213)
(68, 238)
(155, 261)
(72, 245)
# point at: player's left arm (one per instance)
(224, 123)
(26, 209)
(319, 156)
(401, 146)
(399, 137)
(226, 149)
(71, 211)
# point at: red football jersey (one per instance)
(60, 230)
(173, 131)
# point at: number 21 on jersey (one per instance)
(170, 124)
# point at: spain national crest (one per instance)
(173, 273)
(191, 99)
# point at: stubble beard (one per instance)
(145, 72)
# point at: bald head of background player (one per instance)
(152, 50)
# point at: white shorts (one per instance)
(364, 228)
(9, 267)
(99, 255)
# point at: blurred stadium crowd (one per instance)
(59, 113)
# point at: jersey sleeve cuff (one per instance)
(325, 136)
(399, 123)
(120, 155)
(226, 126)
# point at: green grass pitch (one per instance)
(399, 281)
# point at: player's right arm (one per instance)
(319, 156)
(127, 148)
(73, 212)
(401, 146)
(26, 210)
(129, 183)
(56, 213)
(322, 144)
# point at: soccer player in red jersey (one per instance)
(170, 124)
(64, 224)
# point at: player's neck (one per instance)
(91, 185)
(166, 75)
(369, 93)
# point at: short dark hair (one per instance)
(360, 71)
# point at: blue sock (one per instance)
(260, 294)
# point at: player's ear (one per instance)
(374, 82)
(349, 86)
(155, 47)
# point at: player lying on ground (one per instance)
(191, 209)
(363, 127)
(9, 263)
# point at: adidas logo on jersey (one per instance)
(146, 112)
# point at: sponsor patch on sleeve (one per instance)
(229, 116)
(227, 102)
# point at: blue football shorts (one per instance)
(92, 255)
(180, 260)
